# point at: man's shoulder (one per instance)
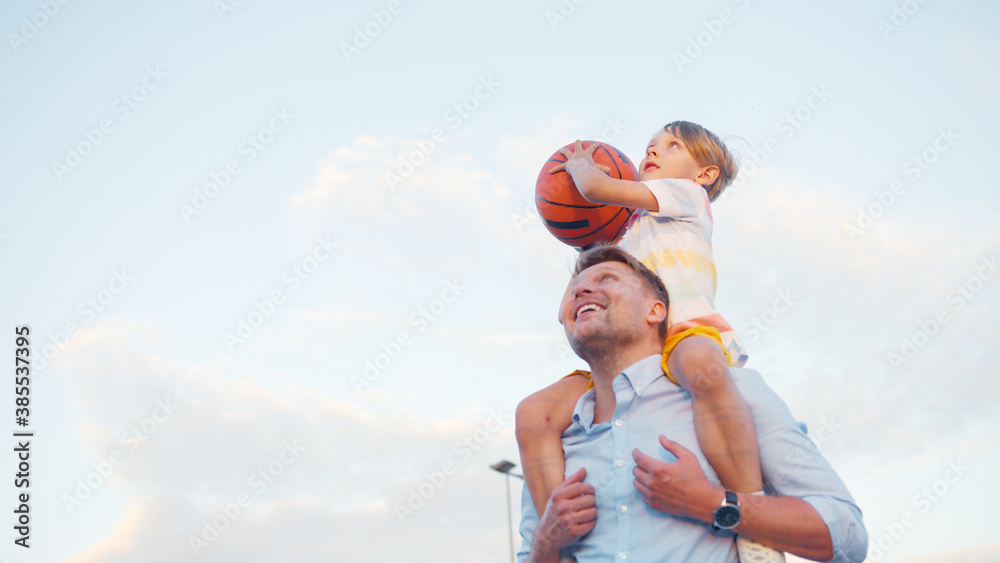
(750, 381)
(765, 404)
(747, 376)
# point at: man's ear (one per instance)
(708, 175)
(657, 312)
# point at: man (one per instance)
(634, 495)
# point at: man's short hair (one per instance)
(653, 283)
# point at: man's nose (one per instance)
(583, 287)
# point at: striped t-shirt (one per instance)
(676, 243)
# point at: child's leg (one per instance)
(540, 421)
(722, 418)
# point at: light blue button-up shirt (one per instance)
(647, 404)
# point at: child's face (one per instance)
(668, 157)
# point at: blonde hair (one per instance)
(707, 150)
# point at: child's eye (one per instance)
(674, 144)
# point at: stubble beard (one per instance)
(602, 347)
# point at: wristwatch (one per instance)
(727, 515)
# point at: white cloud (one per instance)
(855, 303)
(826, 354)
(336, 496)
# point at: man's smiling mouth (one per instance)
(586, 308)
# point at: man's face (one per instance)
(605, 306)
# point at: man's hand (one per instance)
(579, 157)
(679, 488)
(569, 515)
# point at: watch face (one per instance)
(727, 516)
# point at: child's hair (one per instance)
(707, 149)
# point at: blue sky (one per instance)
(396, 324)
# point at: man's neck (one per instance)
(603, 372)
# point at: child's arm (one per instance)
(598, 187)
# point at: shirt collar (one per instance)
(643, 373)
(639, 375)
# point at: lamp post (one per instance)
(504, 466)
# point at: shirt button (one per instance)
(619, 463)
(623, 556)
(619, 422)
(623, 509)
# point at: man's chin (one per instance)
(590, 345)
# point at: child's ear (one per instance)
(708, 175)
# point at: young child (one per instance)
(685, 167)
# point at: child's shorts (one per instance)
(673, 341)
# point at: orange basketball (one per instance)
(568, 215)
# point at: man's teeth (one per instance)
(589, 307)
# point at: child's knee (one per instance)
(548, 410)
(535, 416)
(530, 413)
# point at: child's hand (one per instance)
(579, 156)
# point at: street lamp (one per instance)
(504, 466)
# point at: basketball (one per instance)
(568, 215)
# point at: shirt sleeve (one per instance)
(793, 466)
(683, 200)
(529, 521)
